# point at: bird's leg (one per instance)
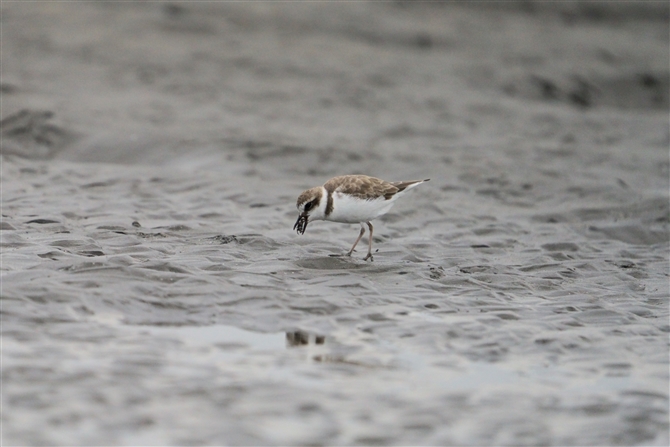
(369, 255)
(360, 235)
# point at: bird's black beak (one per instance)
(301, 223)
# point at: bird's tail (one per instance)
(407, 185)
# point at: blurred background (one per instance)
(153, 292)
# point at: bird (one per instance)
(350, 199)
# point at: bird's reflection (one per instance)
(302, 338)
(330, 353)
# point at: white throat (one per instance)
(320, 212)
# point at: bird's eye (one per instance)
(308, 206)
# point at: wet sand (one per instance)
(153, 292)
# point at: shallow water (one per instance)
(153, 292)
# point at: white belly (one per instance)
(349, 209)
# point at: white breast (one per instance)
(349, 209)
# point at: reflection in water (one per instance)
(318, 351)
(315, 347)
(301, 338)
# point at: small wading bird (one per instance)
(350, 199)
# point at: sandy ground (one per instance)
(153, 292)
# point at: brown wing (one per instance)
(361, 186)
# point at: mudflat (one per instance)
(153, 292)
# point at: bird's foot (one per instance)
(369, 256)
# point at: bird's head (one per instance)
(311, 206)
